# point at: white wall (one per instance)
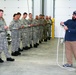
(63, 11)
(37, 7)
(13, 6)
(48, 8)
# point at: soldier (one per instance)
(20, 31)
(25, 34)
(37, 31)
(14, 28)
(33, 30)
(30, 20)
(44, 28)
(40, 28)
(50, 22)
(3, 39)
(35, 38)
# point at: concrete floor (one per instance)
(36, 61)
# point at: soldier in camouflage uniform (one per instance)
(37, 28)
(20, 31)
(35, 31)
(25, 34)
(50, 22)
(30, 20)
(14, 28)
(44, 28)
(40, 28)
(48, 28)
(3, 39)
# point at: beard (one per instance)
(73, 18)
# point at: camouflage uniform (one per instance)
(3, 39)
(49, 28)
(30, 32)
(25, 34)
(14, 28)
(44, 30)
(37, 30)
(41, 30)
(34, 33)
(20, 35)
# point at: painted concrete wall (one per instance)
(63, 11)
(37, 7)
(48, 7)
(13, 6)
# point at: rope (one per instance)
(57, 57)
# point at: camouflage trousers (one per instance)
(49, 31)
(34, 35)
(15, 40)
(38, 31)
(25, 37)
(41, 33)
(4, 45)
(20, 37)
(44, 32)
(30, 35)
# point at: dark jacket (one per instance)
(70, 34)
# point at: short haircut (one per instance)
(18, 13)
(1, 10)
(30, 13)
(43, 15)
(40, 15)
(24, 13)
(14, 15)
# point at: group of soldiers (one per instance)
(30, 32)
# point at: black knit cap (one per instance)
(74, 13)
(1, 10)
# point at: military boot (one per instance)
(1, 61)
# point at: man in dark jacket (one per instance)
(70, 39)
